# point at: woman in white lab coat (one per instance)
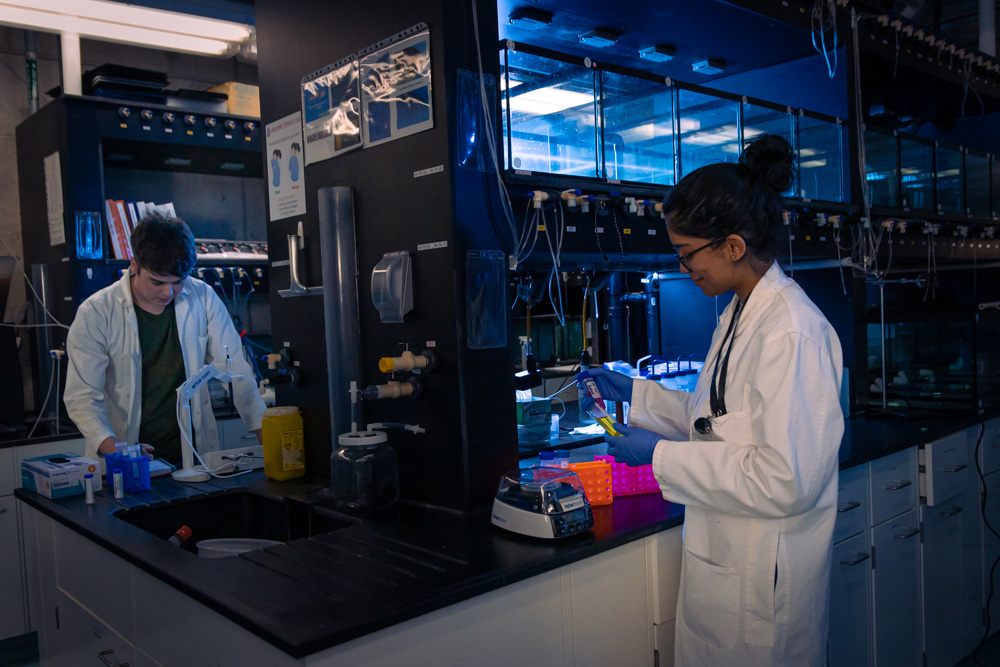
(753, 452)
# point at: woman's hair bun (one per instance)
(770, 158)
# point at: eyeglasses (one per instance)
(683, 259)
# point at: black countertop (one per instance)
(313, 593)
(382, 569)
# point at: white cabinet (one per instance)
(13, 619)
(853, 503)
(989, 448)
(896, 591)
(850, 603)
(894, 485)
(946, 605)
(991, 549)
(80, 638)
(944, 466)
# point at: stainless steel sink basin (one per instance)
(233, 514)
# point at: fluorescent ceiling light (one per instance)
(545, 101)
(812, 164)
(117, 22)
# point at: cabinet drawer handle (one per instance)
(860, 559)
(102, 655)
(956, 468)
(901, 484)
(952, 512)
(908, 534)
(249, 436)
(851, 505)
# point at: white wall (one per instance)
(184, 71)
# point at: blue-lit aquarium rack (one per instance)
(570, 122)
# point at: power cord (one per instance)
(986, 522)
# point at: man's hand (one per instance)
(107, 446)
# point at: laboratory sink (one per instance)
(234, 514)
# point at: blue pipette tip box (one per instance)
(135, 471)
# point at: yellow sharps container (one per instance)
(284, 457)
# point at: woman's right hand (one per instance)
(613, 386)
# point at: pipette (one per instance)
(591, 407)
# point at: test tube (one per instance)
(88, 487)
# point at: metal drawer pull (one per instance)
(954, 510)
(956, 468)
(908, 534)
(851, 505)
(901, 484)
(108, 662)
(861, 559)
(249, 436)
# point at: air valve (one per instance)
(408, 361)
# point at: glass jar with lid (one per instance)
(364, 472)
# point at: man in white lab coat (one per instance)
(133, 343)
(753, 452)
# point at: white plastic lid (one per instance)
(369, 438)
(281, 411)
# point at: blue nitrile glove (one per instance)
(613, 386)
(634, 446)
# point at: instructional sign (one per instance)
(285, 174)
(396, 90)
(332, 108)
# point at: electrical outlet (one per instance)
(215, 460)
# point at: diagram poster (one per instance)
(396, 90)
(285, 173)
(332, 111)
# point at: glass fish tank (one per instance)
(638, 129)
(949, 180)
(977, 185)
(709, 130)
(549, 110)
(917, 173)
(881, 169)
(938, 362)
(820, 152)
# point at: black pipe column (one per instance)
(618, 343)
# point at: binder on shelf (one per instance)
(118, 228)
(133, 218)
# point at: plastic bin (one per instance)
(630, 481)
(596, 479)
(135, 471)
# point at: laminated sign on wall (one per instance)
(396, 90)
(331, 108)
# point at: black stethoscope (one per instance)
(717, 397)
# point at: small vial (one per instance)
(546, 459)
(554, 427)
(88, 487)
(180, 537)
(117, 482)
(562, 458)
(121, 448)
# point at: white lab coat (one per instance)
(761, 490)
(103, 393)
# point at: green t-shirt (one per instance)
(162, 373)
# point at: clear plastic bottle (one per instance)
(364, 471)
(562, 458)
(547, 459)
